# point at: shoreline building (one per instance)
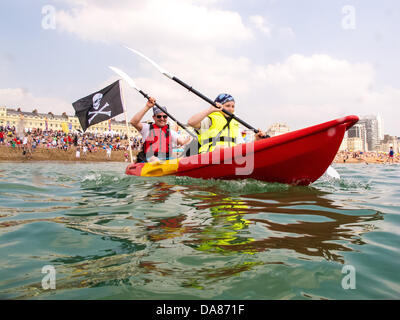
(355, 144)
(373, 128)
(26, 121)
(357, 137)
(343, 145)
(389, 141)
(381, 134)
(277, 129)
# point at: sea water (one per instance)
(88, 231)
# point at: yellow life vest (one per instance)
(222, 132)
(226, 235)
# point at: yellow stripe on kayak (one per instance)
(162, 168)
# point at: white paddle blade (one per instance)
(162, 70)
(124, 76)
(331, 172)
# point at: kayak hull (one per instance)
(298, 158)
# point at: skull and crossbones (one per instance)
(96, 105)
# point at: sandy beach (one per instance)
(369, 157)
(8, 154)
(365, 160)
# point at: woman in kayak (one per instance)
(216, 129)
(158, 138)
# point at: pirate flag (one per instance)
(100, 106)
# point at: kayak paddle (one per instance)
(132, 84)
(197, 93)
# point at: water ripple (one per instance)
(177, 237)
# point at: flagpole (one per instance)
(126, 122)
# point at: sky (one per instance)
(294, 62)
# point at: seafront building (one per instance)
(277, 129)
(381, 135)
(343, 145)
(27, 121)
(355, 144)
(358, 136)
(390, 141)
(367, 136)
(373, 128)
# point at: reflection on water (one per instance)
(153, 236)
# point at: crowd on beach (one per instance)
(28, 142)
(366, 157)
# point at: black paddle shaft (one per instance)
(199, 94)
(168, 114)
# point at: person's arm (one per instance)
(178, 139)
(182, 141)
(260, 135)
(135, 121)
(195, 121)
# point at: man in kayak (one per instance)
(217, 129)
(158, 137)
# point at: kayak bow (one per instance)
(299, 157)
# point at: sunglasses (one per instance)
(160, 116)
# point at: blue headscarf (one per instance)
(223, 98)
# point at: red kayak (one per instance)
(299, 157)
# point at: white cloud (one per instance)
(259, 23)
(286, 32)
(268, 29)
(153, 23)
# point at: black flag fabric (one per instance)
(99, 106)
